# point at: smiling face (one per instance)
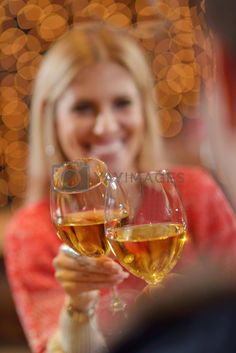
(101, 115)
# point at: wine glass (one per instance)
(77, 209)
(150, 229)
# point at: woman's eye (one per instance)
(83, 108)
(122, 103)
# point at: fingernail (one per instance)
(122, 275)
(112, 266)
(125, 274)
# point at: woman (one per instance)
(92, 97)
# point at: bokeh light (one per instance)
(28, 16)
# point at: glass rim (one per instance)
(86, 160)
(65, 163)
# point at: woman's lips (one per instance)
(106, 150)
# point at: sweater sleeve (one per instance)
(30, 245)
(211, 220)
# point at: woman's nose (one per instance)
(106, 122)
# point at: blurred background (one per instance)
(178, 46)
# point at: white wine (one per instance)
(148, 251)
(84, 232)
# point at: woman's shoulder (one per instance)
(190, 172)
(31, 230)
(193, 177)
(30, 216)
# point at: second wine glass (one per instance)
(150, 241)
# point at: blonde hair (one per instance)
(84, 45)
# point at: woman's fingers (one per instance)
(102, 265)
(84, 277)
(75, 289)
(83, 274)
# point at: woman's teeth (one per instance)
(108, 148)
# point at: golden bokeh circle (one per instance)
(15, 6)
(29, 15)
(149, 43)
(164, 9)
(171, 122)
(27, 65)
(148, 13)
(7, 62)
(181, 77)
(179, 13)
(167, 98)
(17, 184)
(182, 25)
(95, 10)
(12, 40)
(8, 93)
(52, 27)
(33, 44)
(24, 87)
(118, 20)
(15, 135)
(54, 9)
(16, 155)
(184, 40)
(118, 7)
(15, 115)
(163, 46)
(41, 3)
(186, 55)
(162, 63)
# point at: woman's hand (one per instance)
(81, 276)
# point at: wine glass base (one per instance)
(117, 305)
(112, 328)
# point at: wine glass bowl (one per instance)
(149, 231)
(77, 205)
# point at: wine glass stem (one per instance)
(116, 304)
